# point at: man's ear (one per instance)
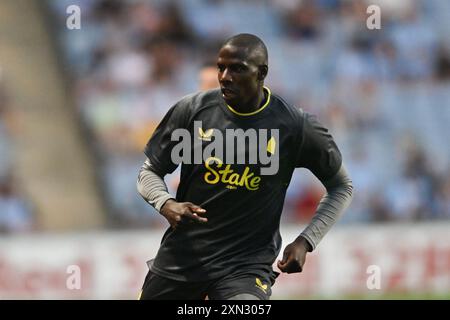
(263, 70)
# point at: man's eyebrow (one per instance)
(239, 63)
(234, 64)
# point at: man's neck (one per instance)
(254, 104)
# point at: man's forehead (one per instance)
(235, 53)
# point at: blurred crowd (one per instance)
(16, 212)
(384, 94)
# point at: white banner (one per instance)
(356, 261)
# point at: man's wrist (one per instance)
(304, 242)
(168, 201)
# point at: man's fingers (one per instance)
(281, 265)
(196, 209)
(284, 267)
(195, 217)
(290, 265)
(200, 219)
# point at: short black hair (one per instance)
(254, 45)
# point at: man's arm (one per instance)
(337, 198)
(332, 205)
(153, 189)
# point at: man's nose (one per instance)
(226, 76)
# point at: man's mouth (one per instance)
(227, 92)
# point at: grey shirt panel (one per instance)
(152, 187)
(337, 198)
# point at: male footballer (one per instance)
(238, 147)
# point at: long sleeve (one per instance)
(152, 187)
(337, 198)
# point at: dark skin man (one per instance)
(228, 252)
(241, 73)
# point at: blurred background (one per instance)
(77, 107)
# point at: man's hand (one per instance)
(180, 212)
(294, 256)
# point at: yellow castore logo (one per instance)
(229, 177)
(260, 285)
(205, 136)
(271, 145)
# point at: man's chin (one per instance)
(229, 100)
